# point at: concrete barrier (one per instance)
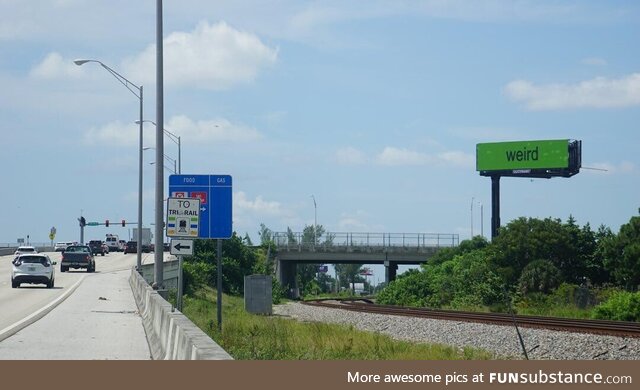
(170, 334)
(11, 250)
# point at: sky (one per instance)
(373, 109)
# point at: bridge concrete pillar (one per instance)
(287, 276)
(390, 270)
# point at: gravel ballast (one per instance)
(501, 340)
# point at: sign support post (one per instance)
(219, 282)
(180, 283)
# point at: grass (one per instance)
(568, 311)
(253, 337)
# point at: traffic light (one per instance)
(83, 222)
(106, 223)
(123, 223)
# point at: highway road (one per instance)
(18, 303)
(90, 302)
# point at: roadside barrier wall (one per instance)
(171, 335)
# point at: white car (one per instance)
(33, 268)
(25, 250)
(60, 246)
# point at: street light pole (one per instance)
(472, 217)
(315, 221)
(481, 219)
(128, 84)
(159, 217)
(179, 157)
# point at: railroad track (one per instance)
(604, 327)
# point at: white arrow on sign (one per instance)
(181, 247)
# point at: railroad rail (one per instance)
(603, 327)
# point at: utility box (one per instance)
(258, 297)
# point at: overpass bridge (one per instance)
(388, 249)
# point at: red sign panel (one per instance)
(202, 195)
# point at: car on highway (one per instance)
(113, 242)
(34, 268)
(78, 256)
(97, 247)
(131, 247)
(60, 246)
(25, 250)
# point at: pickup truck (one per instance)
(97, 247)
(78, 256)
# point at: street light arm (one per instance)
(123, 80)
(166, 166)
(173, 160)
(172, 137)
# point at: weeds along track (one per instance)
(602, 327)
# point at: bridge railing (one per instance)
(332, 241)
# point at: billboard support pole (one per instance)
(495, 205)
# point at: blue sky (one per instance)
(374, 108)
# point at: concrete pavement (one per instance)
(100, 320)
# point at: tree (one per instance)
(622, 255)
(312, 235)
(348, 274)
(238, 260)
(526, 239)
(596, 271)
(265, 234)
(539, 276)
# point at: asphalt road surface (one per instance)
(89, 315)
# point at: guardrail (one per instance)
(374, 241)
(171, 335)
(11, 249)
(15, 245)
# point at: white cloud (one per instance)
(395, 157)
(210, 57)
(217, 130)
(354, 222)
(596, 93)
(257, 206)
(457, 158)
(113, 134)
(54, 66)
(350, 156)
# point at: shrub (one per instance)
(197, 275)
(621, 306)
(277, 291)
(407, 291)
(539, 276)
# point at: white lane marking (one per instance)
(30, 319)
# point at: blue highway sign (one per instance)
(214, 192)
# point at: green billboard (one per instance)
(517, 155)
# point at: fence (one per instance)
(374, 241)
